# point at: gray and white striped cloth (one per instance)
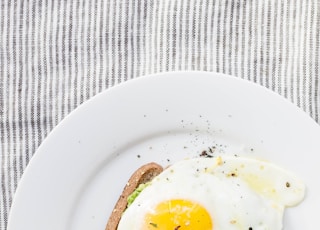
(56, 54)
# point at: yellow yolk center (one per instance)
(178, 215)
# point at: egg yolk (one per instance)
(178, 215)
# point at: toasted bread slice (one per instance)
(142, 175)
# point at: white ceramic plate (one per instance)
(77, 174)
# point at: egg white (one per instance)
(237, 192)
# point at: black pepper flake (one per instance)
(153, 225)
(176, 228)
(205, 153)
(250, 228)
(288, 185)
(138, 156)
(212, 149)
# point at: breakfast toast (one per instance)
(142, 175)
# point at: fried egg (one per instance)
(220, 193)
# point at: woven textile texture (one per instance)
(54, 55)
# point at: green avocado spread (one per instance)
(136, 193)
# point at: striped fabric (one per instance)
(56, 54)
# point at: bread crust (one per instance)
(142, 175)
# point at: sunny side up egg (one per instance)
(220, 193)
